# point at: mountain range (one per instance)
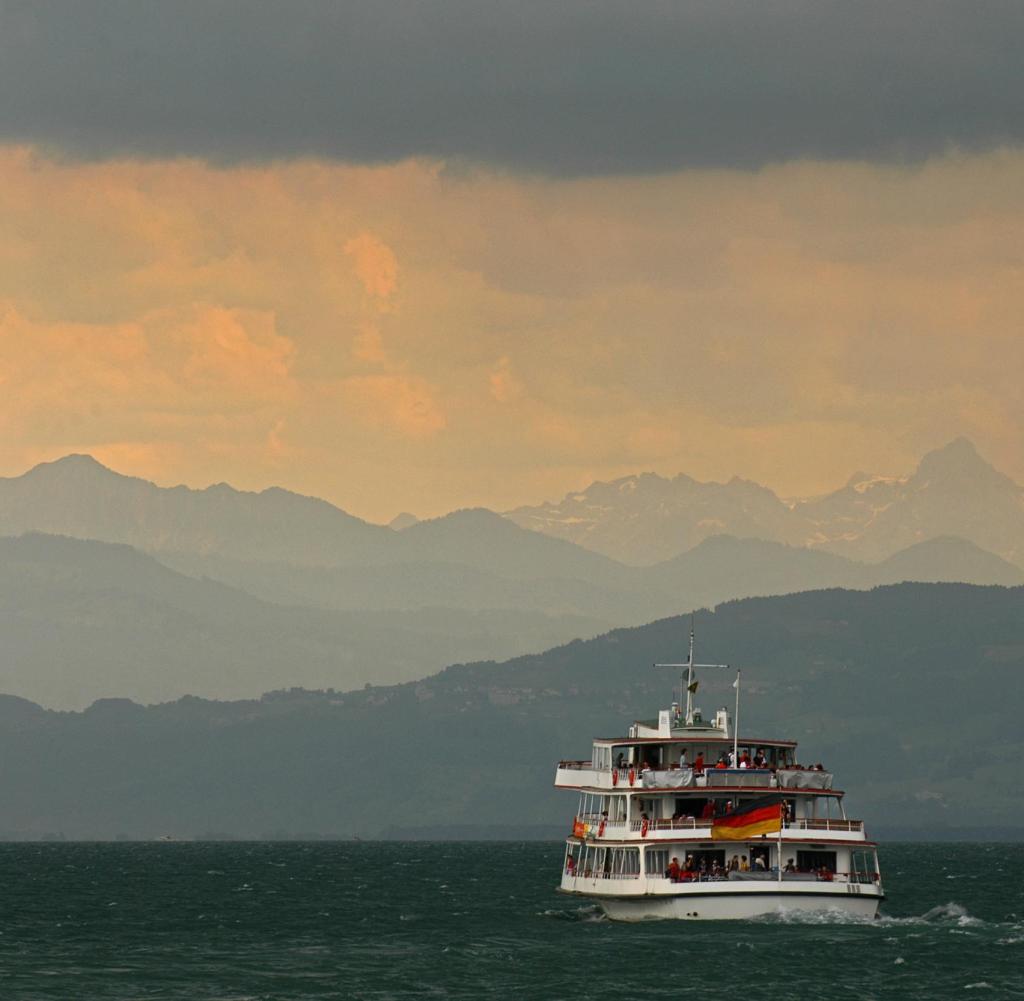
(647, 518)
(113, 586)
(911, 693)
(637, 520)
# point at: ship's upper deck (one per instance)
(672, 753)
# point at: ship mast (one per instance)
(687, 681)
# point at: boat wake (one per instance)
(587, 914)
(951, 914)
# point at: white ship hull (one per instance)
(736, 906)
(723, 900)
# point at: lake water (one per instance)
(381, 921)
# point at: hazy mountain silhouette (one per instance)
(646, 518)
(81, 620)
(911, 693)
(724, 567)
(77, 496)
(85, 619)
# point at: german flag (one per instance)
(759, 816)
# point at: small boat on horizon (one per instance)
(684, 818)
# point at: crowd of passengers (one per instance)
(727, 759)
(704, 869)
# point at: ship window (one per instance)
(621, 862)
(657, 861)
(862, 866)
(813, 861)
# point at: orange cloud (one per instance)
(368, 346)
(788, 324)
(235, 352)
(375, 264)
(398, 403)
(504, 385)
(186, 380)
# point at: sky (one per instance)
(422, 256)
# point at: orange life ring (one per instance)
(632, 776)
(615, 776)
(644, 825)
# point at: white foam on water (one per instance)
(943, 914)
(592, 913)
(952, 912)
(825, 916)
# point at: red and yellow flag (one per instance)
(750, 820)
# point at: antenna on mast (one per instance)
(687, 680)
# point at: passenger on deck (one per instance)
(698, 764)
(620, 759)
(723, 762)
(708, 811)
(734, 864)
(789, 866)
(759, 863)
(570, 866)
(744, 864)
(760, 761)
(745, 760)
(674, 869)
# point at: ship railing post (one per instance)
(736, 724)
(779, 850)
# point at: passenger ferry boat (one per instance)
(685, 818)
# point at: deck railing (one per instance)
(771, 875)
(593, 822)
(863, 878)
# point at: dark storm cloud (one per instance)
(563, 88)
